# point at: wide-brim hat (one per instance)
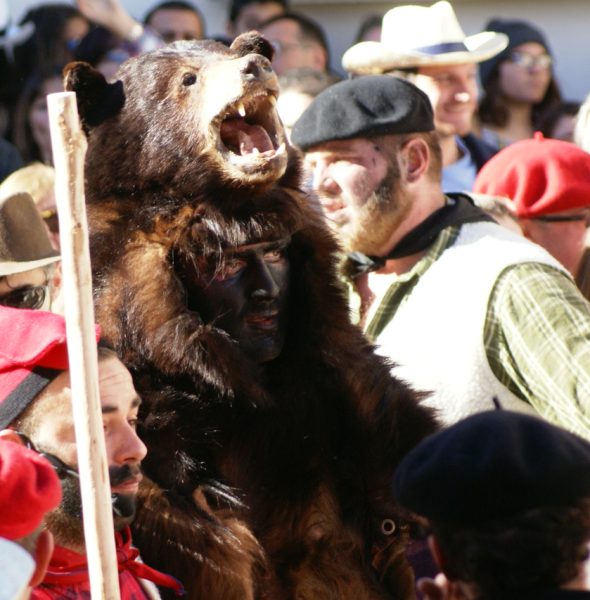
(415, 36)
(24, 242)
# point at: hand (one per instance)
(109, 14)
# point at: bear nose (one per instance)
(255, 67)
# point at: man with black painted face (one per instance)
(35, 409)
(245, 294)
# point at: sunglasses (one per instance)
(528, 61)
(32, 297)
(51, 219)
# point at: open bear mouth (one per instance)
(250, 129)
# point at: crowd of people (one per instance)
(453, 180)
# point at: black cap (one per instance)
(362, 108)
(491, 466)
(518, 32)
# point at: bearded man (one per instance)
(464, 307)
(35, 409)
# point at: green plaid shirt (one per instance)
(537, 334)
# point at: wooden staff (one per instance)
(69, 148)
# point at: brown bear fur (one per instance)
(265, 481)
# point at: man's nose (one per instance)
(323, 181)
(263, 285)
(129, 447)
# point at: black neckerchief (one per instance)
(458, 210)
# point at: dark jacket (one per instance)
(480, 151)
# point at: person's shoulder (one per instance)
(481, 150)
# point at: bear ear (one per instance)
(97, 99)
(252, 42)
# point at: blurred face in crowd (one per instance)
(291, 50)
(253, 15)
(562, 235)
(525, 76)
(452, 91)
(29, 289)
(39, 117)
(49, 423)
(174, 24)
(247, 297)
(359, 186)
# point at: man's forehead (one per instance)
(340, 147)
(433, 71)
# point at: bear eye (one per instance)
(189, 79)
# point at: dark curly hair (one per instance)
(541, 549)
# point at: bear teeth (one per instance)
(241, 110)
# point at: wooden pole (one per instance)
(69, 148)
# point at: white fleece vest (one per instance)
(436, 336)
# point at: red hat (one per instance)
(29, 488)
(541, 176)
(33, 353)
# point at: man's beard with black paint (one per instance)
(65, 522)
(380, 216)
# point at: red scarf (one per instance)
(67, 575)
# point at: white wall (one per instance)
(565, 22)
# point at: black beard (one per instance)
(66, 521)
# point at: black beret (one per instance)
(493, 465)
(362, 108)
(518, 32)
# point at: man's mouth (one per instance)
(266, 321)
(129, 486)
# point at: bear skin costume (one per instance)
(264, 481)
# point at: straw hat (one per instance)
(414, 36)
(24, 243)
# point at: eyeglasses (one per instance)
(32, 297)
(51, 219)
(281, 48)
(528, 61)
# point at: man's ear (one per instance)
(415, 159)
(43, 553)
(97, 99)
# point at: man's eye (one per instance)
(133, 423)
(230, 269)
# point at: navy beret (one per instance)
(490, 466)
(518, 32)
(365, 107)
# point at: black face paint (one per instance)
(247, 297)
(123, 504)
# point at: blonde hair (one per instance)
(36, 179)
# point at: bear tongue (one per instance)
(239, 135)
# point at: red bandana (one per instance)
(67, 575)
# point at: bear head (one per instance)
(184, 114)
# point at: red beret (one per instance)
(541, 176)
(33, 352)
(29, 488)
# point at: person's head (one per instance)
(503, 493)
(176, 20)
(27, 258)
(370, 146)
(245, 15)
(521, 74)
(298, 41)
(35, 406)
(559, 122)
(37, 180)
(548, 183)
(29, 489)
(370, 29)
(31, 120)
(244, 292)
(428, 46)
(298, 88)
